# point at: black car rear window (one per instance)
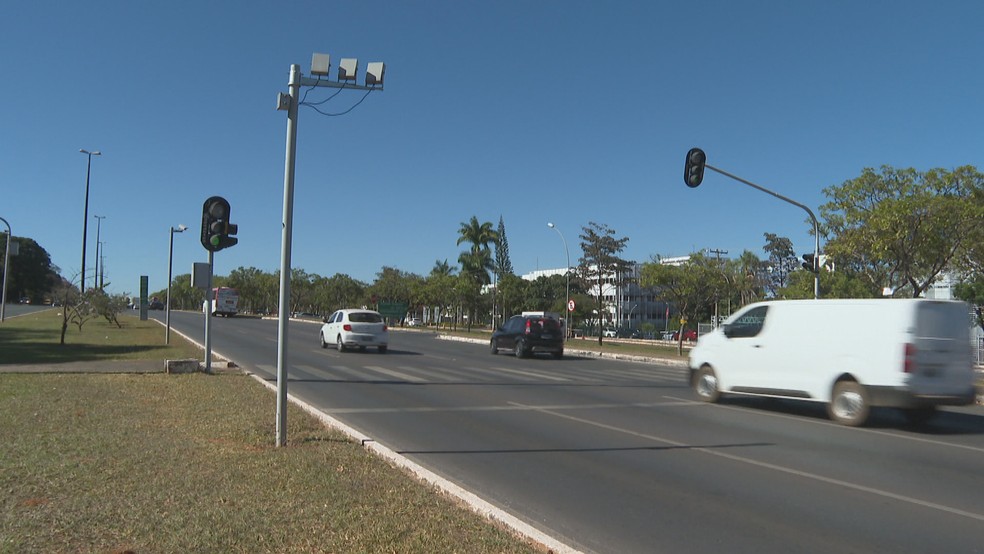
(365, 317)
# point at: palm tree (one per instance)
(477, 261)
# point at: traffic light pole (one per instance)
(816, 226)
(208, 317)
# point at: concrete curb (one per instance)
(589, 353)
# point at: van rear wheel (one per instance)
(706, 385)
(849, 404)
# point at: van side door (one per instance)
(745, 365)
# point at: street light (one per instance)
(320, 68)
(6, 260)
(170, 259)
(567, 300)
(99, 219)
(85, 214)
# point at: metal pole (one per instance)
(85, 220)
(6, 264)
(167, 306)
(816, 226)
(207, 309)
(293, 90)
(567, 299)
(99, 219)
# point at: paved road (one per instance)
(614, 456)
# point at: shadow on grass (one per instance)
(53, 352)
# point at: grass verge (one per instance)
(186, 463)
(35, 338)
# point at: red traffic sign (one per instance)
(570, 305)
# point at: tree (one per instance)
(600, 260)
(782, 260)
(691, 287)
(972, 292)
(843, 283)
(503, 265)
(477, 261)
(901, 228)
(31, 273)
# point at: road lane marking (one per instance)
(766, 465)
(500, 408)
(531, 374)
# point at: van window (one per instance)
(748, 324)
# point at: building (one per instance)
(627, 305)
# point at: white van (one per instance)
(912, 354)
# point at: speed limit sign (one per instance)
(570, 305)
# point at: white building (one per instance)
(626, 304)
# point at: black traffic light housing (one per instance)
(216, 230)
(811, 263)
(693, 170)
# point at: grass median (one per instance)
(186, 463)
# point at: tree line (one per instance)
(888, 232)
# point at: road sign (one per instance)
(570, 305)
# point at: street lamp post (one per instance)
(85, 213)
(6, 260)
(567, 271)
(95, 274)
(170, 259)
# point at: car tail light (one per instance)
(347, 327)
(385, 327)
(528, 327)
(909, 365)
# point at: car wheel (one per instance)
(520, 348)
(382, 349)
(323, 343)
(849, 404)
(492, 347)
(706, 385)
(338, 343)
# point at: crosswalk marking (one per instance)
(396, 374)
(466, 374)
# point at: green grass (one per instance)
(34, 338)
(187, 463)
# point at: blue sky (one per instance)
(535, 111)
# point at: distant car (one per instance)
(155, 304)
(351, 328)
(526, 335)
(612, 333)
(414, 322)
(688, 335)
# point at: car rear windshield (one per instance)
(365, 317)
(545, 323)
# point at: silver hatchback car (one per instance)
(352, 328)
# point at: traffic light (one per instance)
(693, 170)
(810, 263)
(216, 230)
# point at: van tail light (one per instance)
(909, 365)
(347, 327)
